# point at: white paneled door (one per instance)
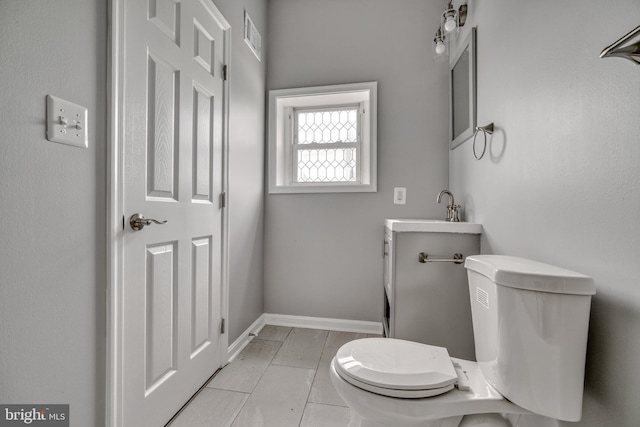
(173, 122)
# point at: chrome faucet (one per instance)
(452, 209)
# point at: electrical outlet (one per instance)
(399, 196)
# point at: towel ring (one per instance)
(487, 129)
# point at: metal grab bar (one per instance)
(425, 258)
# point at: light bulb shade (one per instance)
(450, 24)
(450, 20)
(440, 48)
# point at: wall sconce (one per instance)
(450, 22)
(626, 47)
(440, 47)
(453, 19)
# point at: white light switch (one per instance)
(400, 196)
(66, 122)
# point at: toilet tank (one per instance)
(530, 324)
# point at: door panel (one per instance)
(203, 109)
(162, 124)
(201, 324)
(160, 299)
(164, 14)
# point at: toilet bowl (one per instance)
(389, 400)
(530, 323)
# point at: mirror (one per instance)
(462, 91)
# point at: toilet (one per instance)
(530, 325)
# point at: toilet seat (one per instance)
(481, 398)
(396, 368)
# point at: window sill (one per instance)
(322, 188)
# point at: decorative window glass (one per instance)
(326, 144)
(322, 139)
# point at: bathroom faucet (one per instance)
(452, 208)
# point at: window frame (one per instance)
(282, 169)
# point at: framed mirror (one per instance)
(462, 91)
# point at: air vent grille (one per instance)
(252, 36)
(482, 297)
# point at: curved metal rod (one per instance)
(630, 52)
(486, 129)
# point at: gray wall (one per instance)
(323, 251)
(53, 200)
(561, 181)
(52, 208)
(246, 166)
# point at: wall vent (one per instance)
(252, 36)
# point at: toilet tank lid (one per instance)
(527, 274)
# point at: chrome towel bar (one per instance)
(425, 258)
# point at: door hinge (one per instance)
(223, 200)
(222, 326)
(225, 70)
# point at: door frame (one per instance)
(115, 205)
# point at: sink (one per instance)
(432, 226)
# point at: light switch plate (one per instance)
(67, 122)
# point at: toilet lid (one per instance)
(396, 364)
(405, 394)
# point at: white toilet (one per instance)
(530, 324)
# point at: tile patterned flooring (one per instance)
(280, 379)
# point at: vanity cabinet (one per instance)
(428, 302)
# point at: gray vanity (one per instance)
(426, 296)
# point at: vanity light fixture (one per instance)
(440, 47)
(450, 23)
(453, 19)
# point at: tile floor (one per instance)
(280, 379)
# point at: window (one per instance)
(323, 139)
(326, 143)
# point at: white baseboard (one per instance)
(245, 338)
(343, 325)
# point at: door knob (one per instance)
(138, 221)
